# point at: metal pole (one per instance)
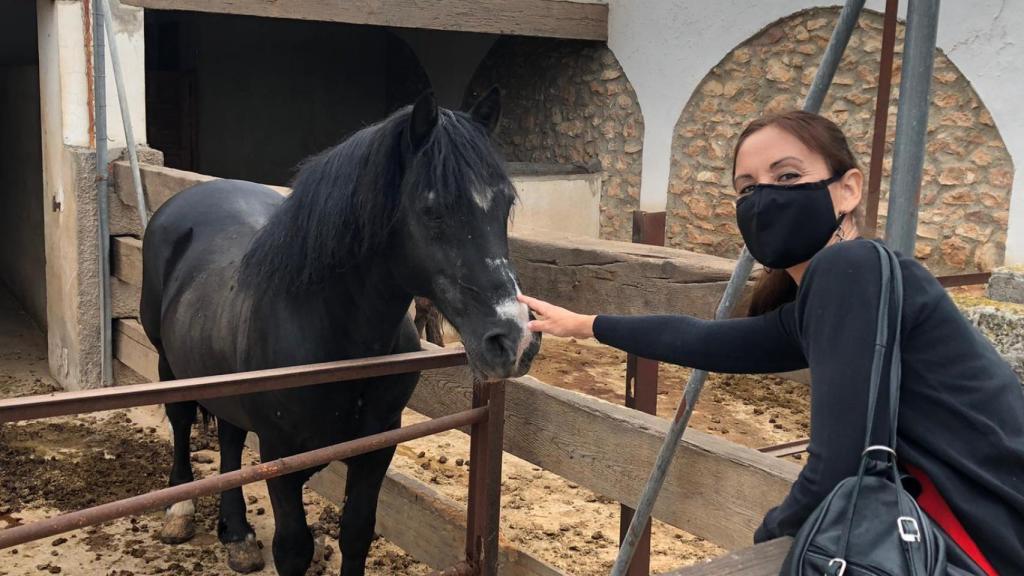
(833, 54)
(126, 117)
(100, 97)
(881, 117)
(113, 398)
(911, 124)
(744, 265)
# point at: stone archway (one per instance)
(569, 102)
(968, 172)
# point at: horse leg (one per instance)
(362, 487)
(233, 529)
(179, 525)
(293, 542)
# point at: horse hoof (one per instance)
(245, 556)
(178, 525)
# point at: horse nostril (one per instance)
(500, 345)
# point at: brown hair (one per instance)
(775, 287)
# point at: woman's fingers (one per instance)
(536, 305)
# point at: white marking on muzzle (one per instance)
(512, 309)
(186, 508)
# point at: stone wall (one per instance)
(569, 102)
(967, 175)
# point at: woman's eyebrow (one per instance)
(781, 160)
(736, 180)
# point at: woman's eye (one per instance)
(746, 190)
(789, 177)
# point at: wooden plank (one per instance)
(124, 298)
(761, 560)
(133, 349)
(126, 263)
(550, 18)
(606, 277)
(715, 489)
(424, 523)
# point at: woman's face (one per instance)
(773, 156)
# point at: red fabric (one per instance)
(938, 510)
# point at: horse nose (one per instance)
(500, 346)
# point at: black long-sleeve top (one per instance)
(961, 414)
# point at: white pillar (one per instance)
(69, 201)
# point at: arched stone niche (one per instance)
(569, 102)
(968, 173)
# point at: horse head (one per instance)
(449, 241)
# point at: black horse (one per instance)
(237, 278)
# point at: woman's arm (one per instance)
(837, 313)
(744, 345)
(760, 344)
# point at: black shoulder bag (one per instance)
(869, 525)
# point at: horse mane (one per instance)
(345, 200)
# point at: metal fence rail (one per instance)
(486, 418)
(68, 403)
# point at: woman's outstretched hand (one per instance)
(558, 321)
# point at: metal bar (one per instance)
(68, 403)
(786, 448)
(815, 96)
(964, 279)
(126, 117)
(100, 102)
(911, 124)
(833, 54)
(881, 117)
(484, 507)
(221, 482)
(642, 390)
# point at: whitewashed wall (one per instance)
(667, 46)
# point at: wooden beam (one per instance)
(425, 523)
(607, 277)
(761, 560)
(551, 18)
(133, 349)
(715, 489)
(126, 263)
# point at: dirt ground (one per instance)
(59, 465)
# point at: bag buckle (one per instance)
(909, 530)
(836, 567)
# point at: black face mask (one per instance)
(786, 225)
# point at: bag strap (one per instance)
(890, 289)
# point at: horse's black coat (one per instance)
(236, 278)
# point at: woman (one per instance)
(961, 416)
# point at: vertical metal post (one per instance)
(126, 117)
(881, 117)
(815, 96)
(484, 507)
(642, 390)
(100, 115)
(911, 124)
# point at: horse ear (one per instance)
(487, 110)
(423, 119)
